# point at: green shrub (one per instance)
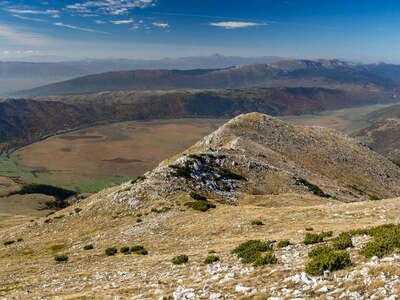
(327, 260)
(251, 250)
(379, 247)
(77, 210)
(125, 250)
(180, 259)
(137, 248)
(342, 242)
(309, 229)
(283, 243)
(319, 250)
(181, 171)
(267, 259)
(138, 179)
(228, 174)
(6, 243)
(257, 222)
(373, 197)
(211, 259)
(88, 247)
(111, 251)
(200, 205)
(313, 238)
(196, 196)
(20, 240)
(139, 220)
(312, 188)
(327, 234)
(60, 258)
(142, 252)
(386, 239)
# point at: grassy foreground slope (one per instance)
(206, 201)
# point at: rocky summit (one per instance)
(259, 209)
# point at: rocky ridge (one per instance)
(382, 137)
(294, 179)
(258, 154)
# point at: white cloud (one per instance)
(19, 52)
(22, 38)
(52, 12)
(235, 25)
(100, 22)
(113, 7)
(119, 22)
(30, 18)
(161, 25)
(60, 24)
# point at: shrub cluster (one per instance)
(6, 243)
(312, 187)
(88, 247)
(201, 203)
(250, 251)
(111, 251)
(342, 242)
(211, 259)
(283, 243)
(125, 250)
(139, 249)
(181, 171)
(228, 174)
(386, 240)
(138, 179)
(60, 258)
(314, 238)
(257, 222)
(267, 259)
(326, 258)
(198, 197)
(180, 259)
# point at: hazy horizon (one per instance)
(155, 29)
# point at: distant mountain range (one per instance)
(288, 73)
(46, 69)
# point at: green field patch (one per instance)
(96, 185)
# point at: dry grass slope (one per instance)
(255, 167)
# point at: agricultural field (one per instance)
(91, 159)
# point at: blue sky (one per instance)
(364, 30)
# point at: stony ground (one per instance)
(29, 270)
(250, 170)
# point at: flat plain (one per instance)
(90, 159)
